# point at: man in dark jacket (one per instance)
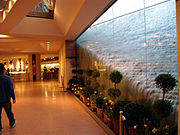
(6, 93)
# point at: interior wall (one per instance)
(62, 65)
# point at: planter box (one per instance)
(107, 121)
(93, 107)
(116, 126)
(100, 113)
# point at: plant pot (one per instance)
(93, 107)
(133, 131)
(116, 126)
(81, 98)
(107, 121)
(100, 113)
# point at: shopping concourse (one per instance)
(85, 67)
(42, 108)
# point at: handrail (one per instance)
(122, 124)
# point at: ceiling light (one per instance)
(4, 36)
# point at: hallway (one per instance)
(42, 108)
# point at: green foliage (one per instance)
(73, 81)
(88, 82)
(165, 81)
(100, 102)
(135, 114)
(116, 77)
(114, 93)
(95, 74)
(162, 108)
(81, 81)
(107, 108)
(89, 72)
(118, 106)
(95, 85)
(80, 71)
(87, 91)
(74, 71)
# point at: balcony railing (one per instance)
(45, 9)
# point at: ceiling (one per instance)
(27, 35)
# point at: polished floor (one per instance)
(42, 108)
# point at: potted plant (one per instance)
(107, 109)
(99, 105)
(94, 86)
(86, 92)
(166, 82)
(80, 71)
(95, 74)
(162, 108)
(116, 77)
(114, 93)
(117, 107)
(89, 72)
(135, 114)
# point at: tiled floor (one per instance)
(42, 108)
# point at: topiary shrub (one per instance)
(162, 108)
(87, 91)
(135, 114)
(114, 93)
(166, 82)
(89, 72)
(95, 85)
(115, 77)
(118, 106)
(100, 101)
(95, 74)
(80, 71)
(74, 71)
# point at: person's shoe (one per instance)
(13, 125)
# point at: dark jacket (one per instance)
(6, 88)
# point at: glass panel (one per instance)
(122, 7)
(45, 9)
(161, 40)
(154, 2)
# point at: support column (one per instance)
(30, 67)
(38, 67)
(178, 54)
(67, 60)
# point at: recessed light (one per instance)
(4, 36)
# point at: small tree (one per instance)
(95, 74)
(89, 72)
(166, 82)
(162, 108)
(116, 77)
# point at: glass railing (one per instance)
(5, 7)
(45, 9)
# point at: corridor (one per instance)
(43, 108)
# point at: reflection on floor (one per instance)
(43, 108)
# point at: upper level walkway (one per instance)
(42, 108)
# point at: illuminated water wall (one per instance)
(138, 39)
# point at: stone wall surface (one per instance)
(140, 44)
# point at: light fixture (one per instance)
(4, 36)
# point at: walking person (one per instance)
(6, 93)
